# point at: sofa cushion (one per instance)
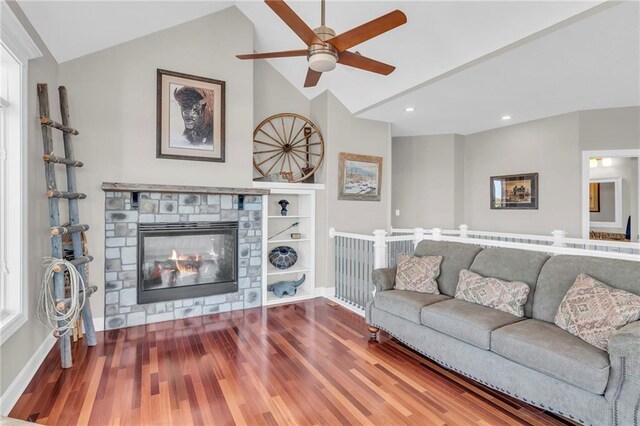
(593, 311)
(511, 265)
(505, 296)
(466, 321)
(560, 272)
(418, 273)
(406, 304)
(455, 257)
(548, 349)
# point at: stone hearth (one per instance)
(121, 308)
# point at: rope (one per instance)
(49, 312)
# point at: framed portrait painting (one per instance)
(360, 177)
(190, 117)
(514, 191)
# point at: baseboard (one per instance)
(9, 398)
(98, 323)
(327, 292)
(346, 305)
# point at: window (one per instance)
(16, 48)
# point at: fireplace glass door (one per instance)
(186, 260)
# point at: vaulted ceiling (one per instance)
(461, 64)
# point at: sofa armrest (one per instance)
(623, 389)
(626, 341)
(384, 278)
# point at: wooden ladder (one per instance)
(74, 228)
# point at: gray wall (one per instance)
(611, 128)
(548, 147)
(428, 187)
(113, 103)
(425, 173)
(16, 351)
(344, 133)
(627, 170)
(607, 211)
(274, 94)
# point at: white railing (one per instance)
(357, 255)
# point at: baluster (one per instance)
(342, 267)
(357, 296)
(348, 280)
(361, 268)
(354, 281)
(338, 266)
(367, 266)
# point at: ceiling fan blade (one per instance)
(284, 54)
(364, 63)
(312, 78)
(294, 22)
(368, 31)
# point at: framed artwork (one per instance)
(360, 177)
(594, 197)
(190, 117)
(514, 191)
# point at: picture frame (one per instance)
(190, 117)
(515, 192)
(594, 197)
(360, 177)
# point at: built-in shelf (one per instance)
(288, 186)
(301, 294)
(289, 217)
(295, 269)
(301, 208)
(287, 241)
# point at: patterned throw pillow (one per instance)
(506, 296)
(418, 273)
(594, 311)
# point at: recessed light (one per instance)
(409, 109)
(506, 117)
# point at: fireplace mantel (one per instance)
(184, 189)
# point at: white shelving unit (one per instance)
(301, 208)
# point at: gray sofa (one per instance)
(529, 358)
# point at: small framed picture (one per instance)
(514, 191)
(360, 177)
(190, 117)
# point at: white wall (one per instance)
(16, 351)
(112, 96)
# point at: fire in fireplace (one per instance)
(185, 260)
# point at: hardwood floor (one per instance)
(304, 363)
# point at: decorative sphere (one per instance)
(283, 257)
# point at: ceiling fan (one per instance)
(325, 49)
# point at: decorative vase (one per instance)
(283, 205)
(283, 257)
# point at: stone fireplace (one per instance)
(146, 282)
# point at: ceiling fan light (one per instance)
(322, 62)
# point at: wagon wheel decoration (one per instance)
(288, 145)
